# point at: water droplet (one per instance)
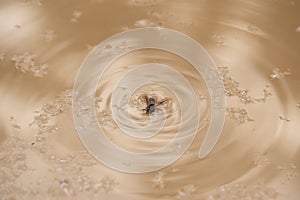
(63, 161)
(218, 39)
(48, 35)
(278, 74)
(203, 98)
(232, 88)
(293, 166)
(261, 159)
(25, 63)
(238, 115)
(186, 191)
(144, 23)
(174, 169)
(86, 186)
(107, 184)
(158, 180)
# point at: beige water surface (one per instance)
(256, 47)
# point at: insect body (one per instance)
(152, 104)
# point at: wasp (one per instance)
(152, 104)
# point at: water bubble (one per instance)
(144, 23)
(238, 115)
(293, 166)
(86, 186)
(62, 161)
(26, 63)
(107, 184)
(278, 74)
(240, 191)
(64, 183)
(158, 180)
(219, 41)
(289, 172)
(186, 191)
(261, 159)
(48, 35)
(232, 88)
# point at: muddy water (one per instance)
(255, 46)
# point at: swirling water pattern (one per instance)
(255, 45)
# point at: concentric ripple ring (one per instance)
(147, 74)
(94, 66)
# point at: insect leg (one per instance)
(163, 101)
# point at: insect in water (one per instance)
(152, 104)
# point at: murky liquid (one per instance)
(255, 46)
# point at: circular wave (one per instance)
(152, 73)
